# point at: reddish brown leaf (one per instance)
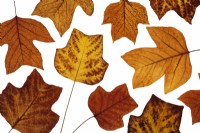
(192, 100)
(28, 109)
(19, 34)
(109, 107)
(158, 117)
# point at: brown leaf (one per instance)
(184, 8)
(158, 117)
(61, 11)
(28, 109)
(109, 107)
(19, 33)
(124, 17)
(192, 100)
(171, 57)
(81, 60)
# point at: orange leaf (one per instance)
(184, 8)
(19, 33)
(158, 117)
(109, 107)
(124, 17)
(28, 109)
(171, 57)
(192, 100)
(61, 11)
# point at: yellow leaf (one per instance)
(81, 60)
(124, 17)
(61, 11)
(171, 57)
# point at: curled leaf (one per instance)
(109, 107)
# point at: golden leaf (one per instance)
(19, 33)
(109, 107)
(171, 57)
(81, 60)
(28, 109)
(158, 117)
(124, 17)
(184, 8)
(61, 11)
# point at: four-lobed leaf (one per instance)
(184, 8)
(171, 57)
(109, 107)
(192, 100)
(125, 17)
(19, 34)
(158, 117)
(81, 60)
(61, 11)
(28, 109)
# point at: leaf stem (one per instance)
(82, 123)
(15, 8)
(195, 50)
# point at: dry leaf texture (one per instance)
(109, 107)
(61, 11)
(171, 57)
(19, 34)
(192, 100)
(125, 17)
(184, 8)
(28, 109)
(158, 117)
(81, 60)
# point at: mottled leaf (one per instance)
(158, 117)
(184, 8)
(109, 107)
(28, 109)
(192, 100)
(19, 34)
(170, 58)
(61, 11)
(81, 60)
(125, 17)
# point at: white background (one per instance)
(117, 73)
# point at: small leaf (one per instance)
(19, 34)
(61, 11)
(184, 8)
(192, 100)
(109, 107)
(124, 17)
(81, 60)
(158, 117)
(28, 109)
(171, 57)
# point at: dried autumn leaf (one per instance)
(81, 60)
(61, 11)
(109, 107)
(158, 117)
(19, 33)
(171, 57)
(184, 8)
(192, 100)
(28, 109)
(124, 17)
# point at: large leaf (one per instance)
(28, 109)
(184, 8)
(124, 17)
(192, 100)
(81, 60)
(158, 117)
(171, 57)
(61, 11)
(109, 107)
(19, 34)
